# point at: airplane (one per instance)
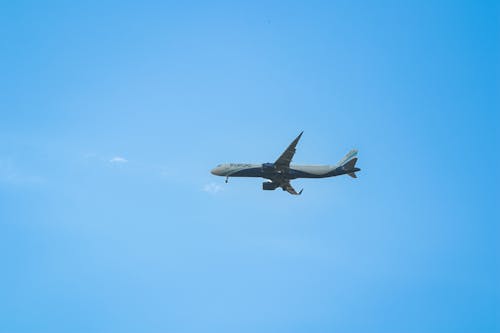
(281, 171)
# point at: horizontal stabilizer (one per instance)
(350, 167)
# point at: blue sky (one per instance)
(113, 113)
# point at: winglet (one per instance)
(300, 192)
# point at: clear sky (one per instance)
(112, 114)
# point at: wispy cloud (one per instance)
(118, 160)
(212, 188)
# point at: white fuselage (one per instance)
(281, 171)
(257, 170)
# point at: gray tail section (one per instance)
(348, 157)
(351, 164)
(350, 167)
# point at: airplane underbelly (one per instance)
(309, 171)
(250, 172)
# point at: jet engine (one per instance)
(269, 186)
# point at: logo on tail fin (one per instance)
(350, 164)
(347, 157)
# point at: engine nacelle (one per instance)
(269, 186)
(268, 167)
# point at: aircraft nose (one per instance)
(215, 171)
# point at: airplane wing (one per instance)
(283, 162)
(287, 187)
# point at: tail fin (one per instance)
(347, 157)
(351, 166)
